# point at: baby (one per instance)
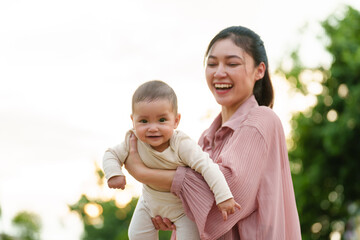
(155, 118)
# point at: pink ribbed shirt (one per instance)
(251, 151)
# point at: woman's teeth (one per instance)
(223, 86)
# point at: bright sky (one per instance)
(68, 70)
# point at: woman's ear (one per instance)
(260, 71)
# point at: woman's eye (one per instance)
(162, 120)
(211, 64)
(233, 64)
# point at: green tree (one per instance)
(111, 223)
(105, 219)
(28, 224)
(325, 149)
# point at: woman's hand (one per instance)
(163, 224)
(133, 163)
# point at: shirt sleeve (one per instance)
(241, 161)
(114, 158)
(193, 156)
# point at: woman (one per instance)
(246, 140)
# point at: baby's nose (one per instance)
(153, 127)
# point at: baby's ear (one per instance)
(132, 120)
(177, 120)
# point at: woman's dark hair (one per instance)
(252, 44)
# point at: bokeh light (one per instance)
(93, 210)
(122, 198)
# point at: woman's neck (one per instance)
(226, 114)
(228, 111)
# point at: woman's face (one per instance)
(231, 74)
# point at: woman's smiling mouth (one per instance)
(222, 86)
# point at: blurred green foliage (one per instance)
(324, 148)
(112, 223)
(28, 225)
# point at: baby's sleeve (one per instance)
(193, 156)
(115, 157)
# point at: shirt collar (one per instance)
(241, 113)
(233, 122)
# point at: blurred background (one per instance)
(68, 70)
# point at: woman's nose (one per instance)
(220, 71)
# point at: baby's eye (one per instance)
(162, 119)
(143, 121)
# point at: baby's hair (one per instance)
(154, 90)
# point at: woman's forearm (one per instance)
(158, 179)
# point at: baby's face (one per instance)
(154, 122)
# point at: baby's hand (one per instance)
(117, 182)
(228, 207)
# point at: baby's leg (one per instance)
(141, 226)
(186, 229)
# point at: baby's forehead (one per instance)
(148, 105)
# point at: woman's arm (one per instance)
(159, 178)
(241, 162)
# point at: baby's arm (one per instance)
(117, 182)
(112, 169)
(112, 162)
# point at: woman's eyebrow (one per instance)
(234, 56)
(227, 56)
